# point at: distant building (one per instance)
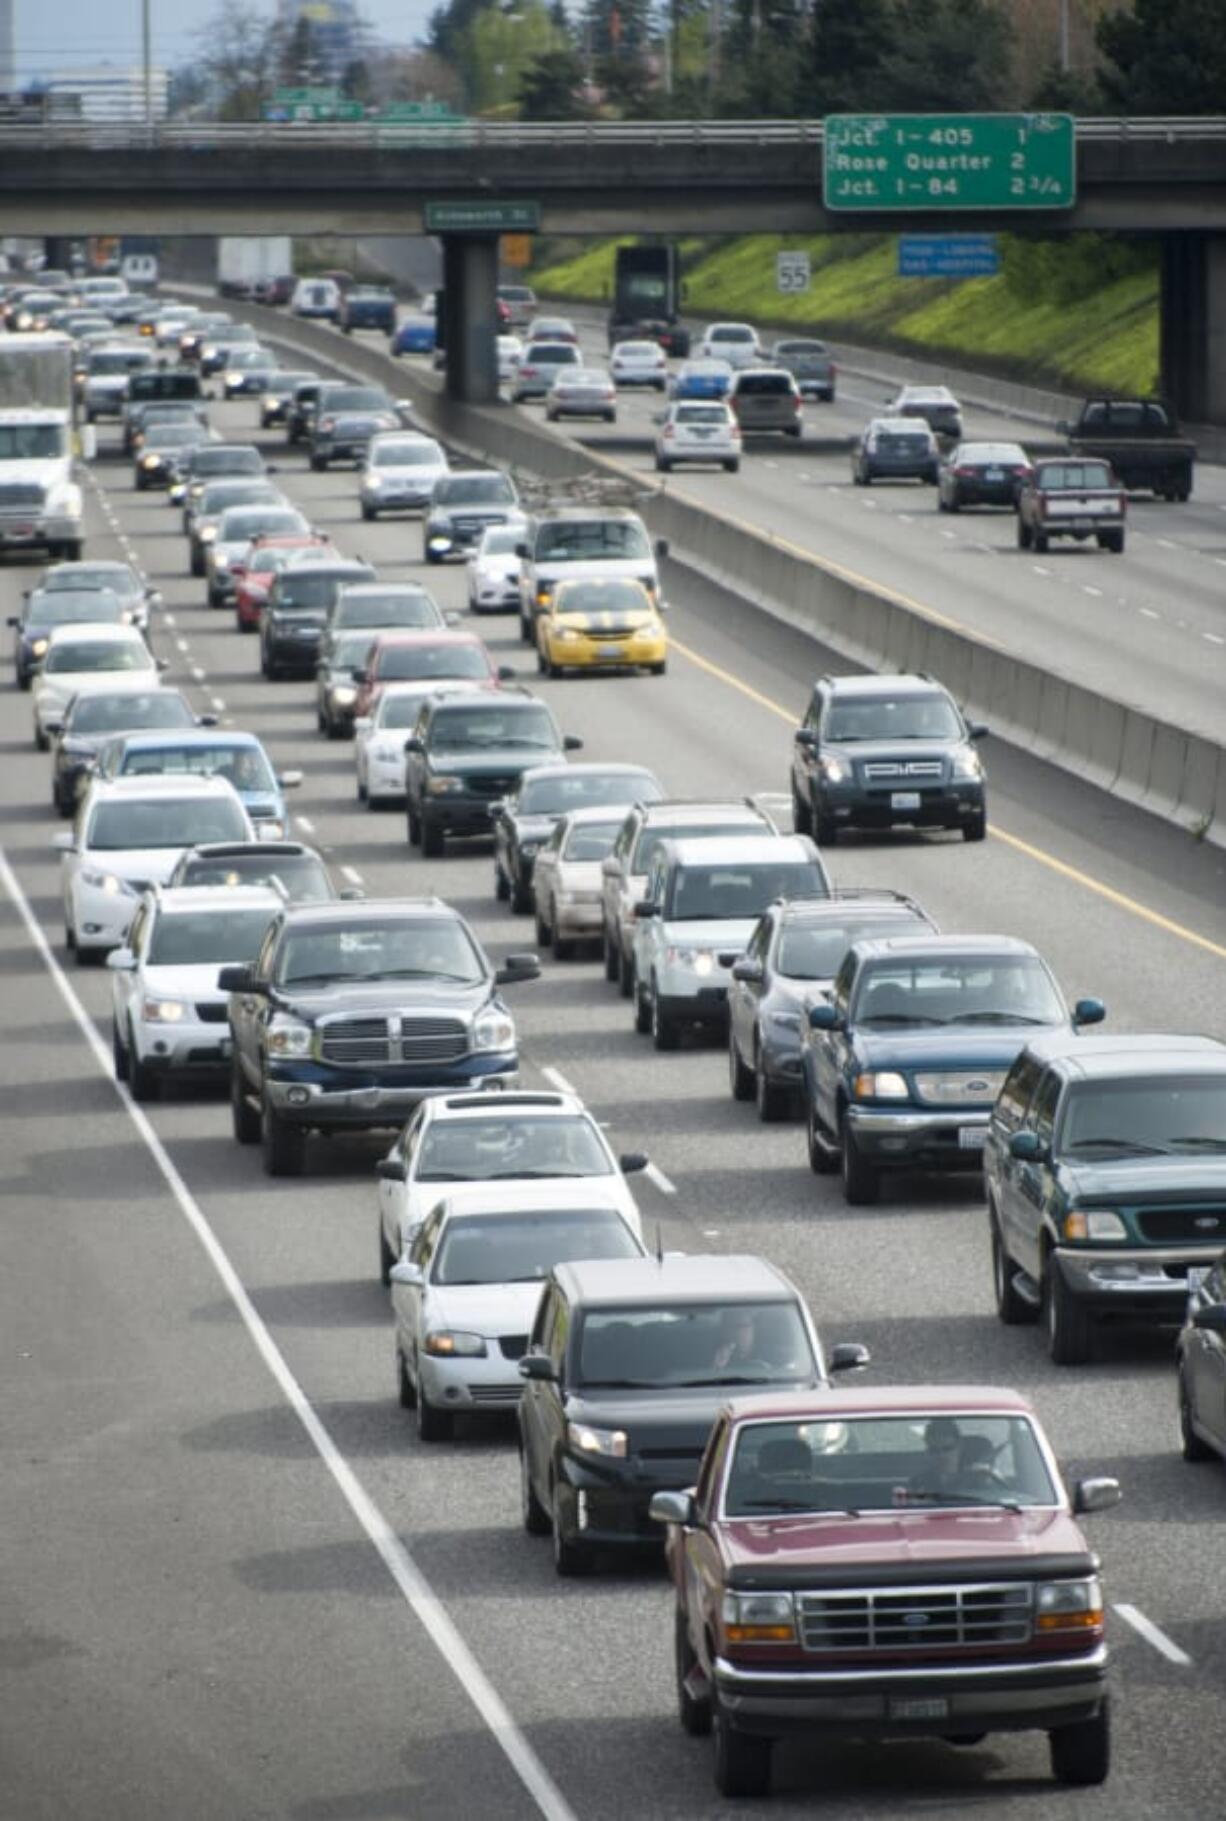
(8, 48)
(333, 37)
(109, 93)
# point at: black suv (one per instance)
(527, 816)
(628, 1364)
(352, 1013)
(879, 752)
(344, 420)
(466, 753)
(462, 507)
(296, 611)
(1105, 1167)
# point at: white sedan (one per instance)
(84, 656)
(698, 432)
(510, 353)
(639, 363)
(515, 1138)
(735, 342)
(378, 738)
(493, 569)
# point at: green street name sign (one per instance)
(949, 161)
(483, 217)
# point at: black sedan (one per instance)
(97, 716)
(45, 608)
(528, 814)
(982, 474)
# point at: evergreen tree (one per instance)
(1165, 57)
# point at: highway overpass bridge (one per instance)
(1160, 177)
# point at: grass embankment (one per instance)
(1105, 337)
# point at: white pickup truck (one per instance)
(40, 500)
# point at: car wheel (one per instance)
(1081, 1754)
(119, 1053)
(802, 815)
(825, 830)
(284, 1144)
(942, 504)
(662, 467)
(406, 1390)
(694, 1711)
(569, 1557)
(1194, 1449)
(1114, 542)
(535, 1517)
(360, 788)
(40, 739)
(432, 839)
(143, 1082)
(243, 1116)
(563, 946)
(432, 556)
(1012, 1309)
(1069, 1329)
(740, 1079)
(823, 1160)
(414, 823)
(387, 1258)
(502, 887)
(433, 1424)
(742, 1759)
(660, 669)
(544, 933)
(625, 973)
(521, 897)
(1039, 542)
(609, 954)
(861, 1182)
(664, 1032)
(318, 464)
(773, 1102)
(977, 828)
(1023, 533)
(369, 514)
(642, 1007)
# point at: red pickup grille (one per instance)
(892, 1620)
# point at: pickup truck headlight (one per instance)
(208, 534)
(449, 1343)
(270, 828)
(886, 1084)
(835, 771)
(443, 785)
(1068, 1605)
(110, 883)
(149, 461)
(493, 1030)
(1096, 1223)
(163, 1011)
(967, 764)
(344, 695)
(702, 960)
(584, 1439)
(38, 648)
(759, 1618)
(289, 1037)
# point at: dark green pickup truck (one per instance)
(1139, 437)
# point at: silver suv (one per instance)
(767, 398)
(587, 541)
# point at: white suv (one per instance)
(168, 1016)
(518, 1138)
(735, 342)
(702, 901)
(587, 541)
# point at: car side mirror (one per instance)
(1063, 427)
(289, 780)
(208, 720)
(518, 967)
(572, 742)
(65, 841)
(405, 1273)
(121, 960)
(672, 1507)
(521, 550)
(1027, 1147)
(162, 663)
(823, 1017)
(414, 743)
(1212, 1318)
(361, 676)
(538, 1366)
(646, 907)
(977, 731)
(1095, 1495)
(745, 970)
(805, 736)
(1088, 1011)
(848, 1356)
(506, 672)
(631, 1162)
(236, 978)
(662, 548)
(391, 1169)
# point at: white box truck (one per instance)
(247, 265)
(40, 501)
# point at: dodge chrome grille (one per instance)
(359, 1041)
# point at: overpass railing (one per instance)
(502, 135)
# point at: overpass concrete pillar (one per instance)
(1193, 325)
(470, 286)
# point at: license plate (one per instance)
(226, 1047)
(1080, 524)
(971, 1137)
(993, 474)
(611, 651)
(917, 1707)
(904, 799)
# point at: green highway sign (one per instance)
(482, 217)
(892, 162)
(428, 113)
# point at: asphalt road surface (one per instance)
(235, 1585)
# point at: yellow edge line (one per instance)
(1120, 899)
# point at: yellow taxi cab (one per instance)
(601, 623)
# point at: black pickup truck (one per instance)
(1140, 439)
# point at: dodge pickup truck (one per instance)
(1071, 497)
(1140, 440)
(893, 1564)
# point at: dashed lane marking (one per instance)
(655, 1174)
(352, 874)
(557, 1079)
(1153, 1634)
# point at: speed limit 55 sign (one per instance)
(792, 271)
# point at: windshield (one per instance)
(903, 718)
(32, 442)
(102, 713)
(302, 877)
(111, 364)
(884, 1463)
(602, 597)
(403, 663)
(493, 1148)
(399, 710)
(412, 948)
(406, 455)
(351, 652)
(702, 414)
(354, 398)
(945, 989)
(400, 609)
(1074, 475)
(524, 1248)
(817, 953)
(113, 655)
(190, 938)
(174, 435)
(481, 490)
(61, 608)
(1185, 1113)
(241, 523)
(167, 822)
(246, 767)
(219, 496)
(458, 728)
(718, 1343)
(161, 383)
(591, 538)
(318, 592)
(591, 840)
(731, 334)
(715, 893)
(585, 790)
(227, 461)
(113, 576)
(648, 845)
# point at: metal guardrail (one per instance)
(502, 135)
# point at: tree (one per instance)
(497, 47)
(1165, 57)
(946, 57)
(551, 87)
(847, 45)
(242, 55)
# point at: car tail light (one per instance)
(668, 431)
(964, 474)
(833, 369)
(796, 402)
(528, 372)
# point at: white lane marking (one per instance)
(306, 822)
(168, 619)
(416, 1589)
(180, 644)
(1153, 1634)
(904, 518)
(949, 534)
(558, 1080)
(1164, 543)
(1212, 638)
(1149, 613)
(655, 1174)
(710, 1232)
(219, 704)
(197, 674)
(1096, 592)
(1039, 569)
(351, 872)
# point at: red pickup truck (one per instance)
(886, 1564)
(1071, 497)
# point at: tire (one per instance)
(802, 815)
(544, 931)
(733, 467)
(1023, 533)
(773, 1102)
(861, 1181)
(611, 956)
(527, 632)
(825, 830)
(662, 467)
(143, 1083)
(660, 669)
(1069, 1328)
(72, 550)
(664, 1032)
(563, 946)
(243, 1116)
(822, 1160)
(625, 974)
(41, 741)
(432, 840)
(387, 1258)
(1081, 1754)
(433, 1424)
(406, 1390)
(693, 1711)
(197, 563)
(318, 464)
(284, 1144)
(1114, 542)
(432, 556)
(1039, 541)
(535, 1518)
(977, 828)
(414, 823)
(362, 793)
(740, 1079)
(119, 1055)
(502, 885)
(642, 1009)
(1012, 1309)
(541, 665)
(369, 514)
(742, 1759)
(569, 1558)
(1193, 1448)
